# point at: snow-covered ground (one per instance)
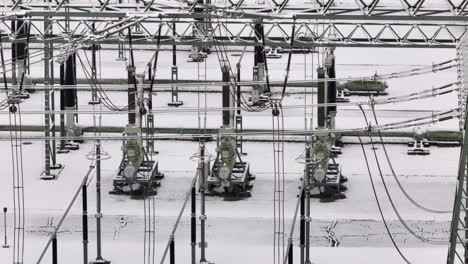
(245, 225)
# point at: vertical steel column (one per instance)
(20, 48)
(131, 85)
(307, 204)
(198, 25)
(85, 222)
(290, 254)
(94, 96)
(174, 46)
(131, 95)
(331, 85)
(14, 80)
(175, 86)
(239, 125)
(172, 252)
(98, 202)
(193, 225)
(331, 88)
(52, 102)
(259, 56)
(302, 226)
(99, 258)
(54, 250)
(202, 202)
(174, 73)
(47, 126)
(226, 97)
(460, 206)
(238, 90)
(62, 108)
(465, 198)
(321, 98)
(70, 95)
(459, 235)
(259, 65)
(5, 244)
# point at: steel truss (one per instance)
(317, 25)
(435, 10)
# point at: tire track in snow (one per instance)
(331, 234)
(121, 224)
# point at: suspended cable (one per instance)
(379, 206)
(403, 190)
(402, 221)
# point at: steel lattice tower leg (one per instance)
(458, 248)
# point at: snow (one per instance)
(231, 223)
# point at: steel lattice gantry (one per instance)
(330, 24)
(458, 249)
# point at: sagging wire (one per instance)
(424, 120)
(232, 81)
(392, 203)
(96, 85)
(378, 204)
(221, 53)
(33, 55)
(403, 190)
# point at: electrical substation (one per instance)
(234, 131)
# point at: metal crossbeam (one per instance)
(447, 10)
(238, 32)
